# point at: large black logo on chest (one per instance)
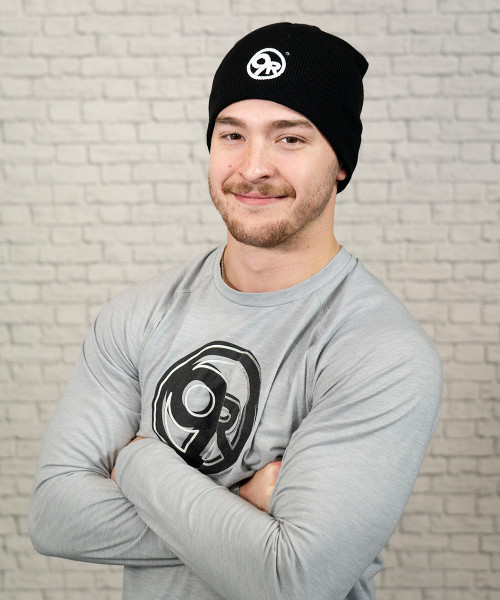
(206, 403)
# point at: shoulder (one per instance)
(370, 340)
(363, 313)
(133, 314)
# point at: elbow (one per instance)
(44, 529)
(40, 533)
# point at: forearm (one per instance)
(219, 535)
(83, 516)
(76, 511)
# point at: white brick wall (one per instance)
(102, 183)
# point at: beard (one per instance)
(282, 230)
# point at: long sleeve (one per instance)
(345, 479)
(77, 511)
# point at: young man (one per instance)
(274, 373)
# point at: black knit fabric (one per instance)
(304, 68)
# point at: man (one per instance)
(275, 373)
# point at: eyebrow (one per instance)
(278, 124)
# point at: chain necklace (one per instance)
(222, 267)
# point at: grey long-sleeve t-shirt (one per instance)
(333, 375)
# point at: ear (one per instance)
(342, 174)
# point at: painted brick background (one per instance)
(103, 183)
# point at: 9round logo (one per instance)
(267, 63)
(205, 405)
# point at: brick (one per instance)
(472, 353)
(157, 172)
(400, 578)
(461, 560)
(100, 66)
(470, 44)
(482, 173)
(23, 67)
(17, 25)
(70, 46)
(172, 89)
(119, 153)
(464, 213)
(464, 543)
(26, 110)
(120, 193)
(109, 6)
(468, 6)
(490, 543)
(171, 132)
(116, 111)
(119, 132)
(18, 580)
(116, 173)
(488, 505)
(474, 85)
(176, 46)
(425, 24)
(491, 313)
(59, 26)
(472, 109)
(440, 65)
(54, 7)
(184, 7)
(422, 152)
(71, 254)
(17, 88)
(11, 7)
(68, 110)
(119, 88)
(26, 153)
(171, 193)
(72, 154)
(462, 447)
(68, 194)
(18, 131)
(64, 67)
(461, 524)
(459, 429)
(460, 504)
(170, 111)
(66, 87)
(116, 25)
(67, 174)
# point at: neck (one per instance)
(252, 270)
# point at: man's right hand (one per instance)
(258, 489)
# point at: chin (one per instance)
(269, 236)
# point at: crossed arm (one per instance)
(257, 490)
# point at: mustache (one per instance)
(264, 189)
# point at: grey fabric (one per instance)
(349, 394)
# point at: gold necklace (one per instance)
(222, 267)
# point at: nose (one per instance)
(256, 161)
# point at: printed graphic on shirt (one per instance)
(205, 405)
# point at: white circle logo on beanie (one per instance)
(267, 63)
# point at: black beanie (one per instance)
(304, 68)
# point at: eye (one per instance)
(290, 139)
(232, 137)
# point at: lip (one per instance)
(253, 199)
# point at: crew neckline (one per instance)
(330, 272)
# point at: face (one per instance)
(272, 174)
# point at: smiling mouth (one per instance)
(257, 199)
